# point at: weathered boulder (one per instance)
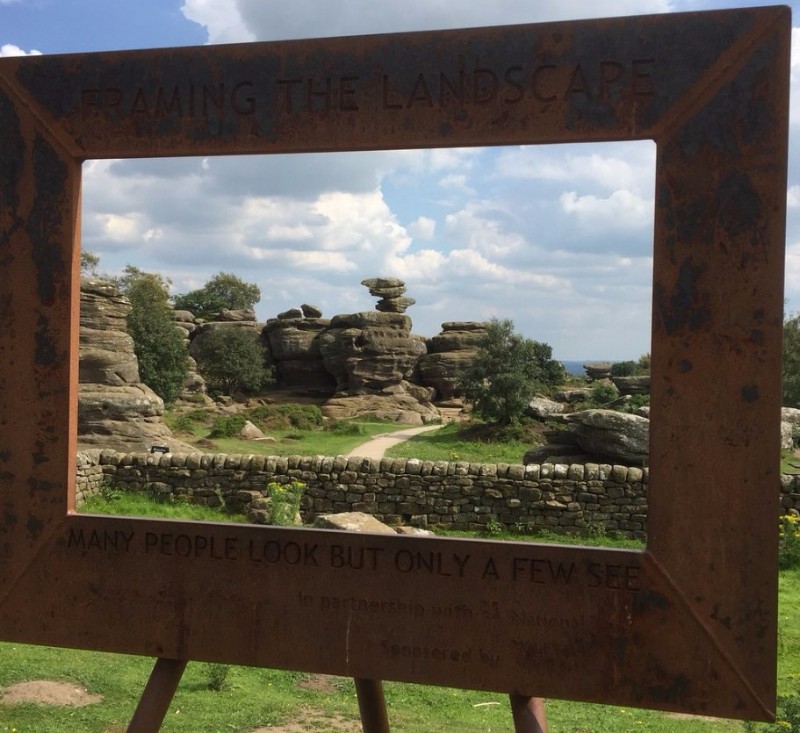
(787, 439)
(542, 408)
(639, 384)
(310, 311)
(618, 435)
(791, 415)
(448, 355)
(115, 410)
(123, 418)
(352, 522)
(400, 408)
(239, 314)
(107, 357)
(294, 348)
(250, 431)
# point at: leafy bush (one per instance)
(227, 426)
(789, 542)
(288, 415)
(232, 360)
(286, 500)
(787, 718)
(506, 372)
(224, 290)
(159, 347)
(217, 675)
(603, 393)
(626, 369)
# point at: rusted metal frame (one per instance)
(716, 611)
(157, 696)
(372, 705)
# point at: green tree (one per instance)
(506, 373)
(791, 361)
(232, 360)
(157, 341)
(89, 263)
(224, 290)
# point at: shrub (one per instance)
(603, 393)
(285, 502)
(217, 676)
(789, 542)
(227, 426)
(288, 415)
(626, 369)
(232, 360)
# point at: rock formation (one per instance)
(448, 354)
(115, 410)
(373, 354)
(293, 342)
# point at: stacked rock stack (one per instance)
(390, 290)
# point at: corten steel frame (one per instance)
(688, 624)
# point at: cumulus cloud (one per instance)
(248, 19)
(9, 49)
(621, 210)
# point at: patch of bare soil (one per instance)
(311, 721)
(318, 683)
(48, 692)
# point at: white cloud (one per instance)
(221, 19)
(9, 49)
(629, 165)
(621, 210)
(793, 197)
(422, 228)
(248, 19)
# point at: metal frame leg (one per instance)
(157, 695)
(372, 706)
(528, 713)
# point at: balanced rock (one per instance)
(596, 370)
(394, 305)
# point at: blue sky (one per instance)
(557, 238)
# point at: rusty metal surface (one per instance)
(689, 624)
(157, 696)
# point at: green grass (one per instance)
(296, 431)
(456, 442)
(140, 504)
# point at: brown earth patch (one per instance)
(48, 692)
(312, 721)
(318, 683)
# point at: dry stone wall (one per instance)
(577, 498)
(458, 495)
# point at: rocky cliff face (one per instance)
(448, 355)
(115, 410)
